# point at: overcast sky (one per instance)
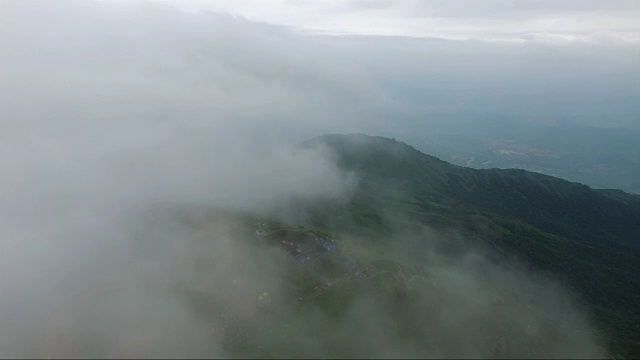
(516, 20)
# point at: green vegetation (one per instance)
(588, 238)
(407, 206)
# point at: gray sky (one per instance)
(514, 20)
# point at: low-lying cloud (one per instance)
(105, 115)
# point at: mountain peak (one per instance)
(358, 139)
(361, 149)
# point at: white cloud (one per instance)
(487, 20)
(106, 110)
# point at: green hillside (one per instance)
(588, 238)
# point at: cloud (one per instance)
(106, 114)
(164, 55)
(502, 8)
(371, 4)
(479, 20)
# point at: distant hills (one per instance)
(596, 156)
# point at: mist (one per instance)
(112, 112)
(101, 121)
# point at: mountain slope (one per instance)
(589, 238)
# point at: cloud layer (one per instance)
(105, 115)
(577, 21)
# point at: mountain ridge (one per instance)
(392, 159)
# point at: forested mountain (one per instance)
(590, 238)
